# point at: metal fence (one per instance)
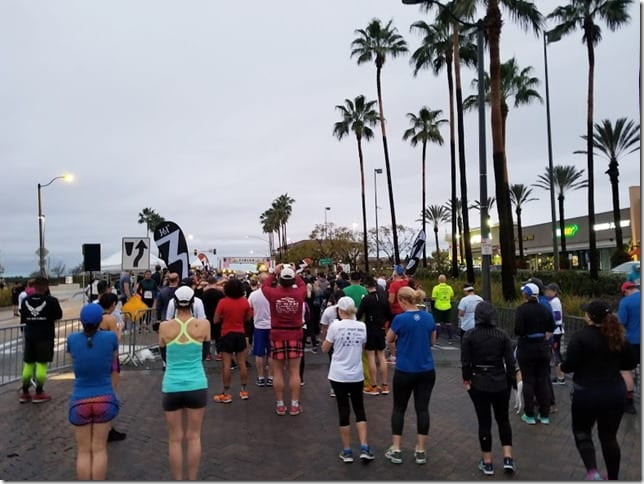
(139, 342)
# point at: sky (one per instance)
(207, 111)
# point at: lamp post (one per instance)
(326, 209)
(376, 171)
(41, 223)
(553, 215)
(486, 247)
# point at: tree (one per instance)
(151, 219)
(436, 214)
(520, 195)
(456, 208)
(282, 208)
(437, 53)
(358, 117)
(424, 129)
(377, 43)
(565, 178)
(612, 143)
(476, 205)
(270, 226)
(58, 270)
(516, 83)
(584, 14)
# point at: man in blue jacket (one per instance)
(629, 315)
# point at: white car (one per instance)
(625, 267)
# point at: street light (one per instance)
(376, 171)
(265, 240)
(41, 222)
(486, 247)
(553, 215)
(326, 209)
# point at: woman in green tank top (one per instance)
(184, 343)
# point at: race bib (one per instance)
(147, 294)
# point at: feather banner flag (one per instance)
(173, 248)
(415, 253)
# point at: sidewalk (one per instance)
(246, 440)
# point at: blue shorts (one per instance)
(99, 409)
(261, 342)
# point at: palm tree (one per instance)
(376, 42)
(358, 117)
(613, 142)
(520, 195)
(270, 226)
(436, 53)
(515, 83)
(456, 208)
(436, 214)
(151, 219)
(424, 129)
(565, 178)
(283, 207)
(583, 14)
(476, 205)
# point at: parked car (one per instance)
(625, 267)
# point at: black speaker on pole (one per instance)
(92, 257)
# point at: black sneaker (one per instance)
(366, 454)
(346, 456)
(487, 469)
(115, 436)
(508, 465)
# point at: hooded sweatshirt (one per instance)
(486, 353)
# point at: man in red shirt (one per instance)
(286, 300)
(398, 280)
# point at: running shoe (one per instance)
(346, 456)
(260, 382)
(332, 393)
(41, 397)
(302, 383)
(243, 395)
(280, 409)
(366, 454)
(233, 365)
(223, 398)
(543, 420)
(372, 390)
(115, 436)
(593, 475)
(209, 357)
(528, 420)
(269, 381)
(486, 468)
(385, 389)
(25, 397)
(559, 381)
(295, 409)
(218, 357)
(508, 465)
(395, 456)
(420, 456)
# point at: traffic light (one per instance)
(195, 252)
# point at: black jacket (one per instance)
(375, 309)
(486, 353)
(39, 313)
(531, 319)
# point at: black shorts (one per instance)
(636, 351)
(232, 343)
(38, 351)
(249, 329)
(177, 400)
(375, 339)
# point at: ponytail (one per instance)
(89, 331)
(613, 331)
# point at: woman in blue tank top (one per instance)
(184, 343)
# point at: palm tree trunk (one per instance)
(452, 152)
(563, 260)
(460, 239)
(394, 230)
(436, 239)
(592, 236)
(424, 202)
(504, 208)
(520, 233)
(461, 155)
(613, 173)
(364, 208)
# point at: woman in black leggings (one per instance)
(488, 370)
(596, 354)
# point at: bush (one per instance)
(618, 257)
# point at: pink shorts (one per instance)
(99, 409)
(287, 349)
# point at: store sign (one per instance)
(569, 231)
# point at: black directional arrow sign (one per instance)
(135, 254)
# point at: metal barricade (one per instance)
(140, 335)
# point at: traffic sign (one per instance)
(326, 261)
(135, 253)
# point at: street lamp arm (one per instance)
(65, 177)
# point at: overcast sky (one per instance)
(206, 111)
